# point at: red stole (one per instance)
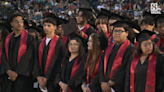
(118, 59)
(95, 70)
(22, 45)
(85, 28)
(98, 31)
(51, 52)
(110, 40)
(75, 67)
(153, 37)
(151, 73)
(0, 55)
(107, 34)
(64, 39)
(160, 42)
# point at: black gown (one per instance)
(81, 77)
(141, 73)
(54, 66)
(24, 81)
(65, 74)
(119, 75)
(89, 31)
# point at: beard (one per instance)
(82, 22)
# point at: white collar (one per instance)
(81, 28)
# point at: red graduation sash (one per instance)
(118, 59)
(51, 52)
(107, 34)
(75, 67)
(151, 73)
(153, 37)
(85, 28)
(158, 44)
(95, 70)
(110, 40)
(0, 55)
(64, 39)
(22, 45)
(98, 31)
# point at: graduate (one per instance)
(82, 22)
(160, 28)
(71, 62)
(87, 75)
(49, 55)
(17, 58)
(148, 24)
(60, 31)
(114, 60)
(103, 21)
(145, 71)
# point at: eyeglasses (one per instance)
(20, 21)
(76, 44)
(147, 44)
(118, 31)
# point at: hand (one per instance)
(79, 32)
(41, 81)
(13, 75)
(105, 87)
(88, 89)
(63, 86)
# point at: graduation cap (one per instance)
(32, 22)
(149, 15)
(70, 27)
(125, 23)
(106, 11)
(34, 29)
(114, 16)
(54, 19)
(64, 21)
(102, 15)
(84, 41)
(159, 19)
(144, 35)
(103, 40)
(85, 9)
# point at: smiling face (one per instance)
(147, 47)
(119, 34)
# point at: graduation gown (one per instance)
(23, 68)
(67, 74)
(48, 69)
(118, 75)
(140, 75)
(83, 76)
(65, 40)
(87, 30)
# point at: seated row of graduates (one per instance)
(101, 69)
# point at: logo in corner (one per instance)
(155, 9)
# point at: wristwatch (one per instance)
(108, 84)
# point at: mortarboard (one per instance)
(114, 16)
(102, 15)
(125, 23)
(70, 27)
(149, 15)
(64, 21)
(106, 11)
(54, 19)
(144, 35)
(85, 9)
(35, 29)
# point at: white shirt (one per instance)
(99, 7)
(48, 40)
(81, 28)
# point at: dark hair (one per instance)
(81, 49)
(104, 21)
(16, 14)
(50, 20)
(94, 53)
(5, 32)
(85, 15)
(147, 21)
(156, 51)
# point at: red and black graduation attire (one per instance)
(87, 30)
(146, 77)
(48, 60)
(83, 76)
(18, 55)
(65, 39)
(113, 64)
(68, 74)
